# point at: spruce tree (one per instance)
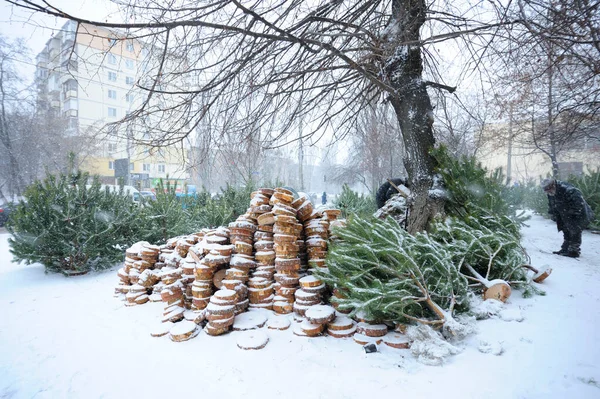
(388, 274)
(71, 227)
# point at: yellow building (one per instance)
(88, 74)
(522, 161)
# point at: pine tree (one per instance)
(70, 227)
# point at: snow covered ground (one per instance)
(70, 338)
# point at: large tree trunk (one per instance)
(404, 68)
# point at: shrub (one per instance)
(350, 202)
(70, 227)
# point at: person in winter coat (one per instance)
(571, 213)
(386, 191)
(324, 198)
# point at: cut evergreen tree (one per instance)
(387, 274)
(70, 227)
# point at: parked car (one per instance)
(5, 210)
(148, 195)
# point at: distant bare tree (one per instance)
(375, 152)
(549, 75)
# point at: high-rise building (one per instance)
(88, 74)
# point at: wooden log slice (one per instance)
(332, 214)
(372, 330)
(341, 323)
(347, 333)
(200, 292)
(363, 339)
(215, 331)
(310, 282)
(283, 190)
(300, 309)
(292, 265)
(316, 242)
(259, 283)
(222, 323)
(311, 329)
(288, 280)
(252, 340)
(318, 289)
(317, 263)
(266, 229)
(230, 284)
(285, 219)
(282, 239)
(316, 253)
(241, 306)
(303, 295)
(161, 329)
(249, 321)
(308, 303)
(320, 314)
(142, 299)
(217, 312)
(265, 257)
(183, 331)
(174, 316)
(264, 245)
(396, 340)
(278, 323)
(540, 276)
(155, 298)
(282, 307)
(298, 331)
(305, 210)
(268, 306)
(268, 192)
(260, 209)
(242, 262)
(497, 289)
(226, 295)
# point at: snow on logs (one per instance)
(540, 274)
(261, 261)
(496, 289)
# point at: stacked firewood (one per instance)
(262, 260)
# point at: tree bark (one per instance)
(411, 102)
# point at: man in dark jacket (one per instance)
(571, 213)
(387, 191)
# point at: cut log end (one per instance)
(542, 275)
(499, 290)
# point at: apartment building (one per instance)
(88, 74)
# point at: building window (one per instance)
(111, 165)
(129, 98)
(131, 167)
(112, 59)
(146, 167)
(112, 112)
(112, 76)
(130, 47)
(112, 94)
(161, 168)
(112, 147)
(129, 80)
(112, 41)
(129, 64)
(73, 123)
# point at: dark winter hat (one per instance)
(547, 184)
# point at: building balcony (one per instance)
(70, 94)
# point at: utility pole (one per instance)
(300, 156)
(510, 139)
